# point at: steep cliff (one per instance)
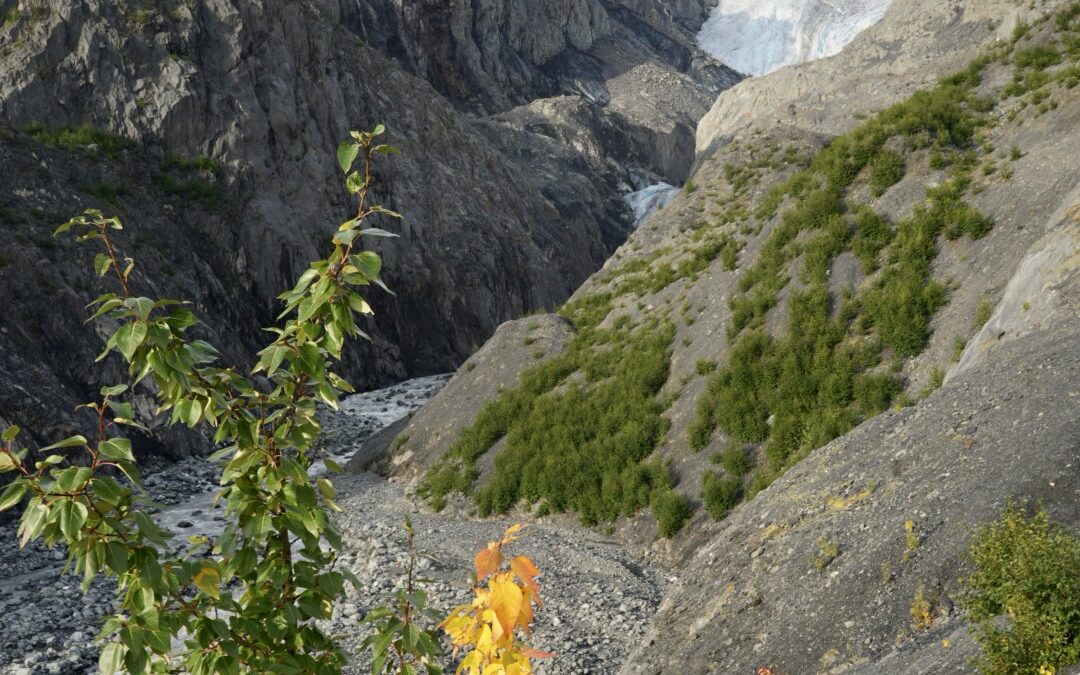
(210, 126)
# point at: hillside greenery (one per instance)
(579, 435)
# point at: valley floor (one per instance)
(598, 598)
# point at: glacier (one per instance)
(646, 201)
(755, 37)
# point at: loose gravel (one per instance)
(598, 597)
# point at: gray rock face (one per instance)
(503, 215)
(1039, 294)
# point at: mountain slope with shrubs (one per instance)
(755, 373)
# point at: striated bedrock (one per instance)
(225, 115)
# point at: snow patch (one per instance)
(756, 37)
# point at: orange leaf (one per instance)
(527, 571)
(488, 560)
(530, 653)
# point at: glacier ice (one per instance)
(756, 37)
(650, 199)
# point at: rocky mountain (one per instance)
(210, 128)
(845, 344)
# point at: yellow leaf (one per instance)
(506, 601)
(512, 531)
(488, 560)
(208, 579)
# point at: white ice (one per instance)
(649, 200)
(756, 37)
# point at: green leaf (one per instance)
(116, 449)
(379, 130)
(345, 237)
(72, 517)
(377, 232)
(112, 658)
(129, 337)
(368, 262)
(33, 521)
(102, 263)
(346, 155)
(9, 434)
(72, 479)
(114, 390)
(385, 211)
(13, 494)
(116, 557)
(140, 306)
(354, 183)
(69, 442)
(332, 466)
(109, 491)
(51, 460)
(326, 488)
(7, 463)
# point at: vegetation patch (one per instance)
(193, 179)
(795, 392)
(574, 443)
(1026, 569)
(85, 139)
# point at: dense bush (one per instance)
(886, 170)
(672, 510)
(720, 493)
(1028, 570)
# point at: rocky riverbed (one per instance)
(598, 598)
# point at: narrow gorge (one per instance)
(755, 313)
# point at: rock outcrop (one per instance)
(503, 214)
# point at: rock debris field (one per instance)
(598, 598)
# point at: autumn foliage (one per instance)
(488, 628)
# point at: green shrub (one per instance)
(736, 459)
(886, 170)
(1038, 57)
(579, 446)
(720, 494)
(199, 191)
(1026, 568)
(872, 234)
(672, 510)
(107, 192)
(256, 598)
(705, 366)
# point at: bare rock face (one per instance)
(1039, 294)
(502, 216)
